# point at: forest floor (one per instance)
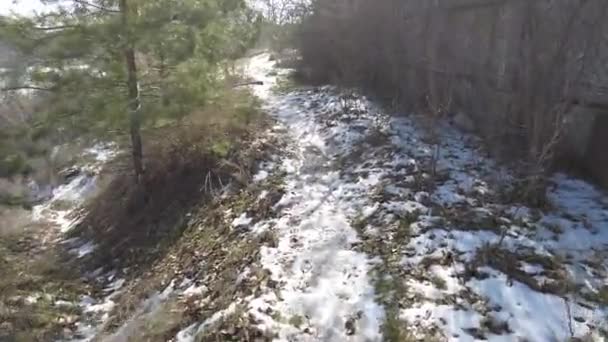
(356, 226)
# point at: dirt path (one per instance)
(325, 289)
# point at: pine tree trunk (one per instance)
(133, 95)
(162, 73)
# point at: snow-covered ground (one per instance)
(360, 210)
(59, 212)
(470, 264)
(325, 290)
(61, 201)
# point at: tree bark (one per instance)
(133, 94)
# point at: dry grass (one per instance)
(32, 278)
(13, 220)
(143, 226)
(31, 283)
(185, 164)
(213, 254)
(201, 246)
(395, 330)
(508, 262)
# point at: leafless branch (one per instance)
(25, 87)
(101, 8)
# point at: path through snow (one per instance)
(351, 164)
(325, 291)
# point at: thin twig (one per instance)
(571, 329)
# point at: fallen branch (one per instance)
(248, 83)
(25, 88)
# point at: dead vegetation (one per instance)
(509, 263)
(222, 261)
(171, 225)
(186, 165)
(517, 69)
(39, 292)
(388, 275)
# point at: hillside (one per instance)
(343, 233)
(303, 171)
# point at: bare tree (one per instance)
(517, 67)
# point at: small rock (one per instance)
(271, 284)
(70, 173)
(350, 327)
(475, 332)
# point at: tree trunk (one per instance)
(133, 94)
(162, 73)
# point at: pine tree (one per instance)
(110, 64)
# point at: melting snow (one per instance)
(84, 249)
(260, 176)
(242, 220)
(67, 197)
(59, 210)
(523, 308)
(323, 281)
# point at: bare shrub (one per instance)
(186, 164)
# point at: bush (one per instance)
(185, 164)
(497, 61)
(14, 164)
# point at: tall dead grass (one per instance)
(32, 281)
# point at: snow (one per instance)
(194, 290)
(31, 299)
(260, 176)
(531, 269)
(324, 280)
(579, 213)
(66, 198)
(186, 335)
(453, 321)
(60, 212)
(146, 310)
(524, 308)
(190, 333)
(259, 68)
(98, 311)
(242, 221)
(84, 249)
